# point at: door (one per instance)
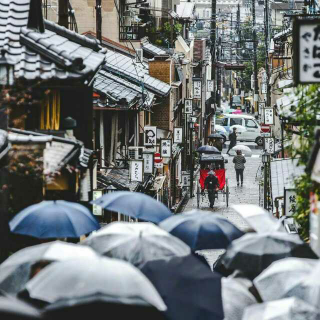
(252, 131)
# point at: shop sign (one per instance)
(290, 202)
(210, 84)
(269, 116)
(269, 145)
(97, 210)
(177, 135)
(197, 89)
(150, 136)
(148, 162)
(136, 170)
(185, 179)
(188, 106)
(165, 148)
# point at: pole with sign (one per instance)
(136, 170)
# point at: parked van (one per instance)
(253, 129)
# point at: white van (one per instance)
(253, 132)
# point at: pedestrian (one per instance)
(239, 160)
(212, 185)
(233, 140)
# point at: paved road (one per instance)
(249, 193)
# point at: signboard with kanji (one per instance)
(150, 136)
(306, 34)
(197, 89)
(148, 162)
(269, 145)
(210, 84)
(97, 210)
(177, 135)
(290, 202)
(268, 116)
(165, 148)
(136, 170)
(188, 106)
(185, 179)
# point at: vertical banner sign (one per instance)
(97, 210)
(188, 106)
(136, 170)
(268, 116)
(177, 135)
(290, 202)
(209, 85)
(185, 179)
(148, 162)
(165, 148)
(150, 136)
(269, 145)
(197, 89)
(306, 51)
(264, 88)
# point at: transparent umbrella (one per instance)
(220, 129)
(246, 151)
(238, 127)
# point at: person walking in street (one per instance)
(212, 185)
(239, 160)
(233, 140)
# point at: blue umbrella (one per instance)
(202, 230)
(208, 149)
(134, 204)
(54, 219)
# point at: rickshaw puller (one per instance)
(212, 185)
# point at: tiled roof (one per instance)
(57, 53)
(152, 49)
(118, 178)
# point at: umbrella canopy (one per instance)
(238, 127)
(246, 151)
(208, 149)
(282, 276)
(215, 135)
(136, 242)
(188, 287)
(236, 297)
(202, 230)
(15, 271)
(134, 204)
(104, 279)
(285, 309)
(54, 219)
(220, 129)
(237, 111)
(12, 308)
(259, 219)
(254, 252)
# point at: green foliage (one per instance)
(166, 35)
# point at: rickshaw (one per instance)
(216, 162)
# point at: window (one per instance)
(234, 121)
(250, 123)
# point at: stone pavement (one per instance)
(249, 193)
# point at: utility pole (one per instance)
(266, 32)
(213, 48)
(255, 65)
(63, 13)
(98, 20)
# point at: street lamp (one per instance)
(266, 157)
(6, 70)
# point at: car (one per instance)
(237, 104)
(253, 128)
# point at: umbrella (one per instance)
(238, 127)
(93, 279)
(12, 308)
(285, 309)
(254, 252)
(15, 271)
(134, 204)
(136, 242)
(259, 219)
(236, 297)
(188, 287)
(208, 149)
(283, 275)
(215, 135)
(202, 230)
(220, 129)
(54, 219)
(246, 151)
(237, 111)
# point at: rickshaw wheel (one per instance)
(227, 194)
(198, 196)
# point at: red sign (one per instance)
(265, 128)
(157, 158)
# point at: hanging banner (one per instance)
(188, 106)
(306, 51)
(136, 170)
(210, 84)
(150, 136)
(269, 145)
(290, 202)
(197, 89)
(148, 162)
(269, 116)
(177, 135)
(165, 148)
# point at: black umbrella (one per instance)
(208, 149)
(188, 287)
(254, 252)
(215, 135)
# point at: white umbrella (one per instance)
(259, 219)
(238, 127)
(246, 151)
(218, 128)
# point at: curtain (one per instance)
(50, 112)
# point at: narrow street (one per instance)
(248, 194)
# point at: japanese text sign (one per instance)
(210, 85)
(97, 210)
(148, 162)
(165, 148)
(268, 116)
(306, 51)
(150, 136)
(136, 170)
(269, 145)
(290, 202)
(185, 179)
(177, 135)
(188, 106)
(197, 89)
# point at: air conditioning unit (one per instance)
(135, 153)
(139, 55)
